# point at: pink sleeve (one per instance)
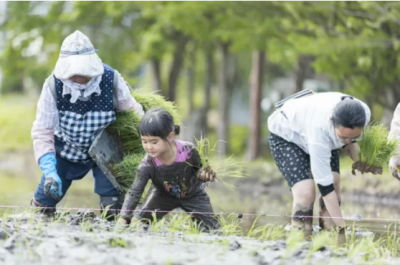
(124, 97)
(43, 142)
(46, 121)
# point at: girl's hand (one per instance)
(207, 176)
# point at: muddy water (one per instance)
(41, 243)
(34, 241)
(249, 198)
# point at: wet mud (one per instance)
(87, 239)
(365, 168)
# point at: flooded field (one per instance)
(255, 231)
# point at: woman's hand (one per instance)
(208, 175)
(120, 225)
(352, 151)
(122, 221)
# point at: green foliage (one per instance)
(266, 232)
(116, 242)
(375, 148)
(230, 225)
(125, 172)
(16, 118)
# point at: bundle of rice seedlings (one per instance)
(375, 150)
(126, 129)
(125, 172)
(224, 167)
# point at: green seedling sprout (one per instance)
(223, 167)
(375, 150)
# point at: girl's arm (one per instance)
(199, 167)
(134, 194)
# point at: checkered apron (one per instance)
(80, 122)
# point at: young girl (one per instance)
(175, 170)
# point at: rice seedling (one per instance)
(193, 226)
(293, 241)
(365, 249)
(375, 150)
(391, 241)
(230, 225)
(266, 232)
(116, 242)
(318, 242)
(125, 172)
(177, 222)
(125, 128)
(223, 167)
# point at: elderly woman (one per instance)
(306, 135)
(78, 100)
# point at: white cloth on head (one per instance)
(307, 123)
(78, 57)
(83, 92)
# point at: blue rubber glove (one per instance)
(52, 184)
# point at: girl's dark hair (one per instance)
(348, 113)
(158, 122)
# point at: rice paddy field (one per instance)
(254, 220)
(260, 237)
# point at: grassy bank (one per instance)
(16, 117)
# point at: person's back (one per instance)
(308, 119)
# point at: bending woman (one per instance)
(306, 135)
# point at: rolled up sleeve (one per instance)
(46, 121)
(320, 158)
(125, 101)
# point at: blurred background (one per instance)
(224, 64)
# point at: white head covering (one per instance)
(78, 57)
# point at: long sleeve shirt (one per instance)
(47, 114)
(179, 180)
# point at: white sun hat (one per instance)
(78, 57)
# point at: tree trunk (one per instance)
(256, 82)
(155, 75)
(223, 102)
(208, 80)
(191, 71)
(303, 70)
(176, 66)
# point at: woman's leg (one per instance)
(294, 164)
(303, 205)
(110, 198)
